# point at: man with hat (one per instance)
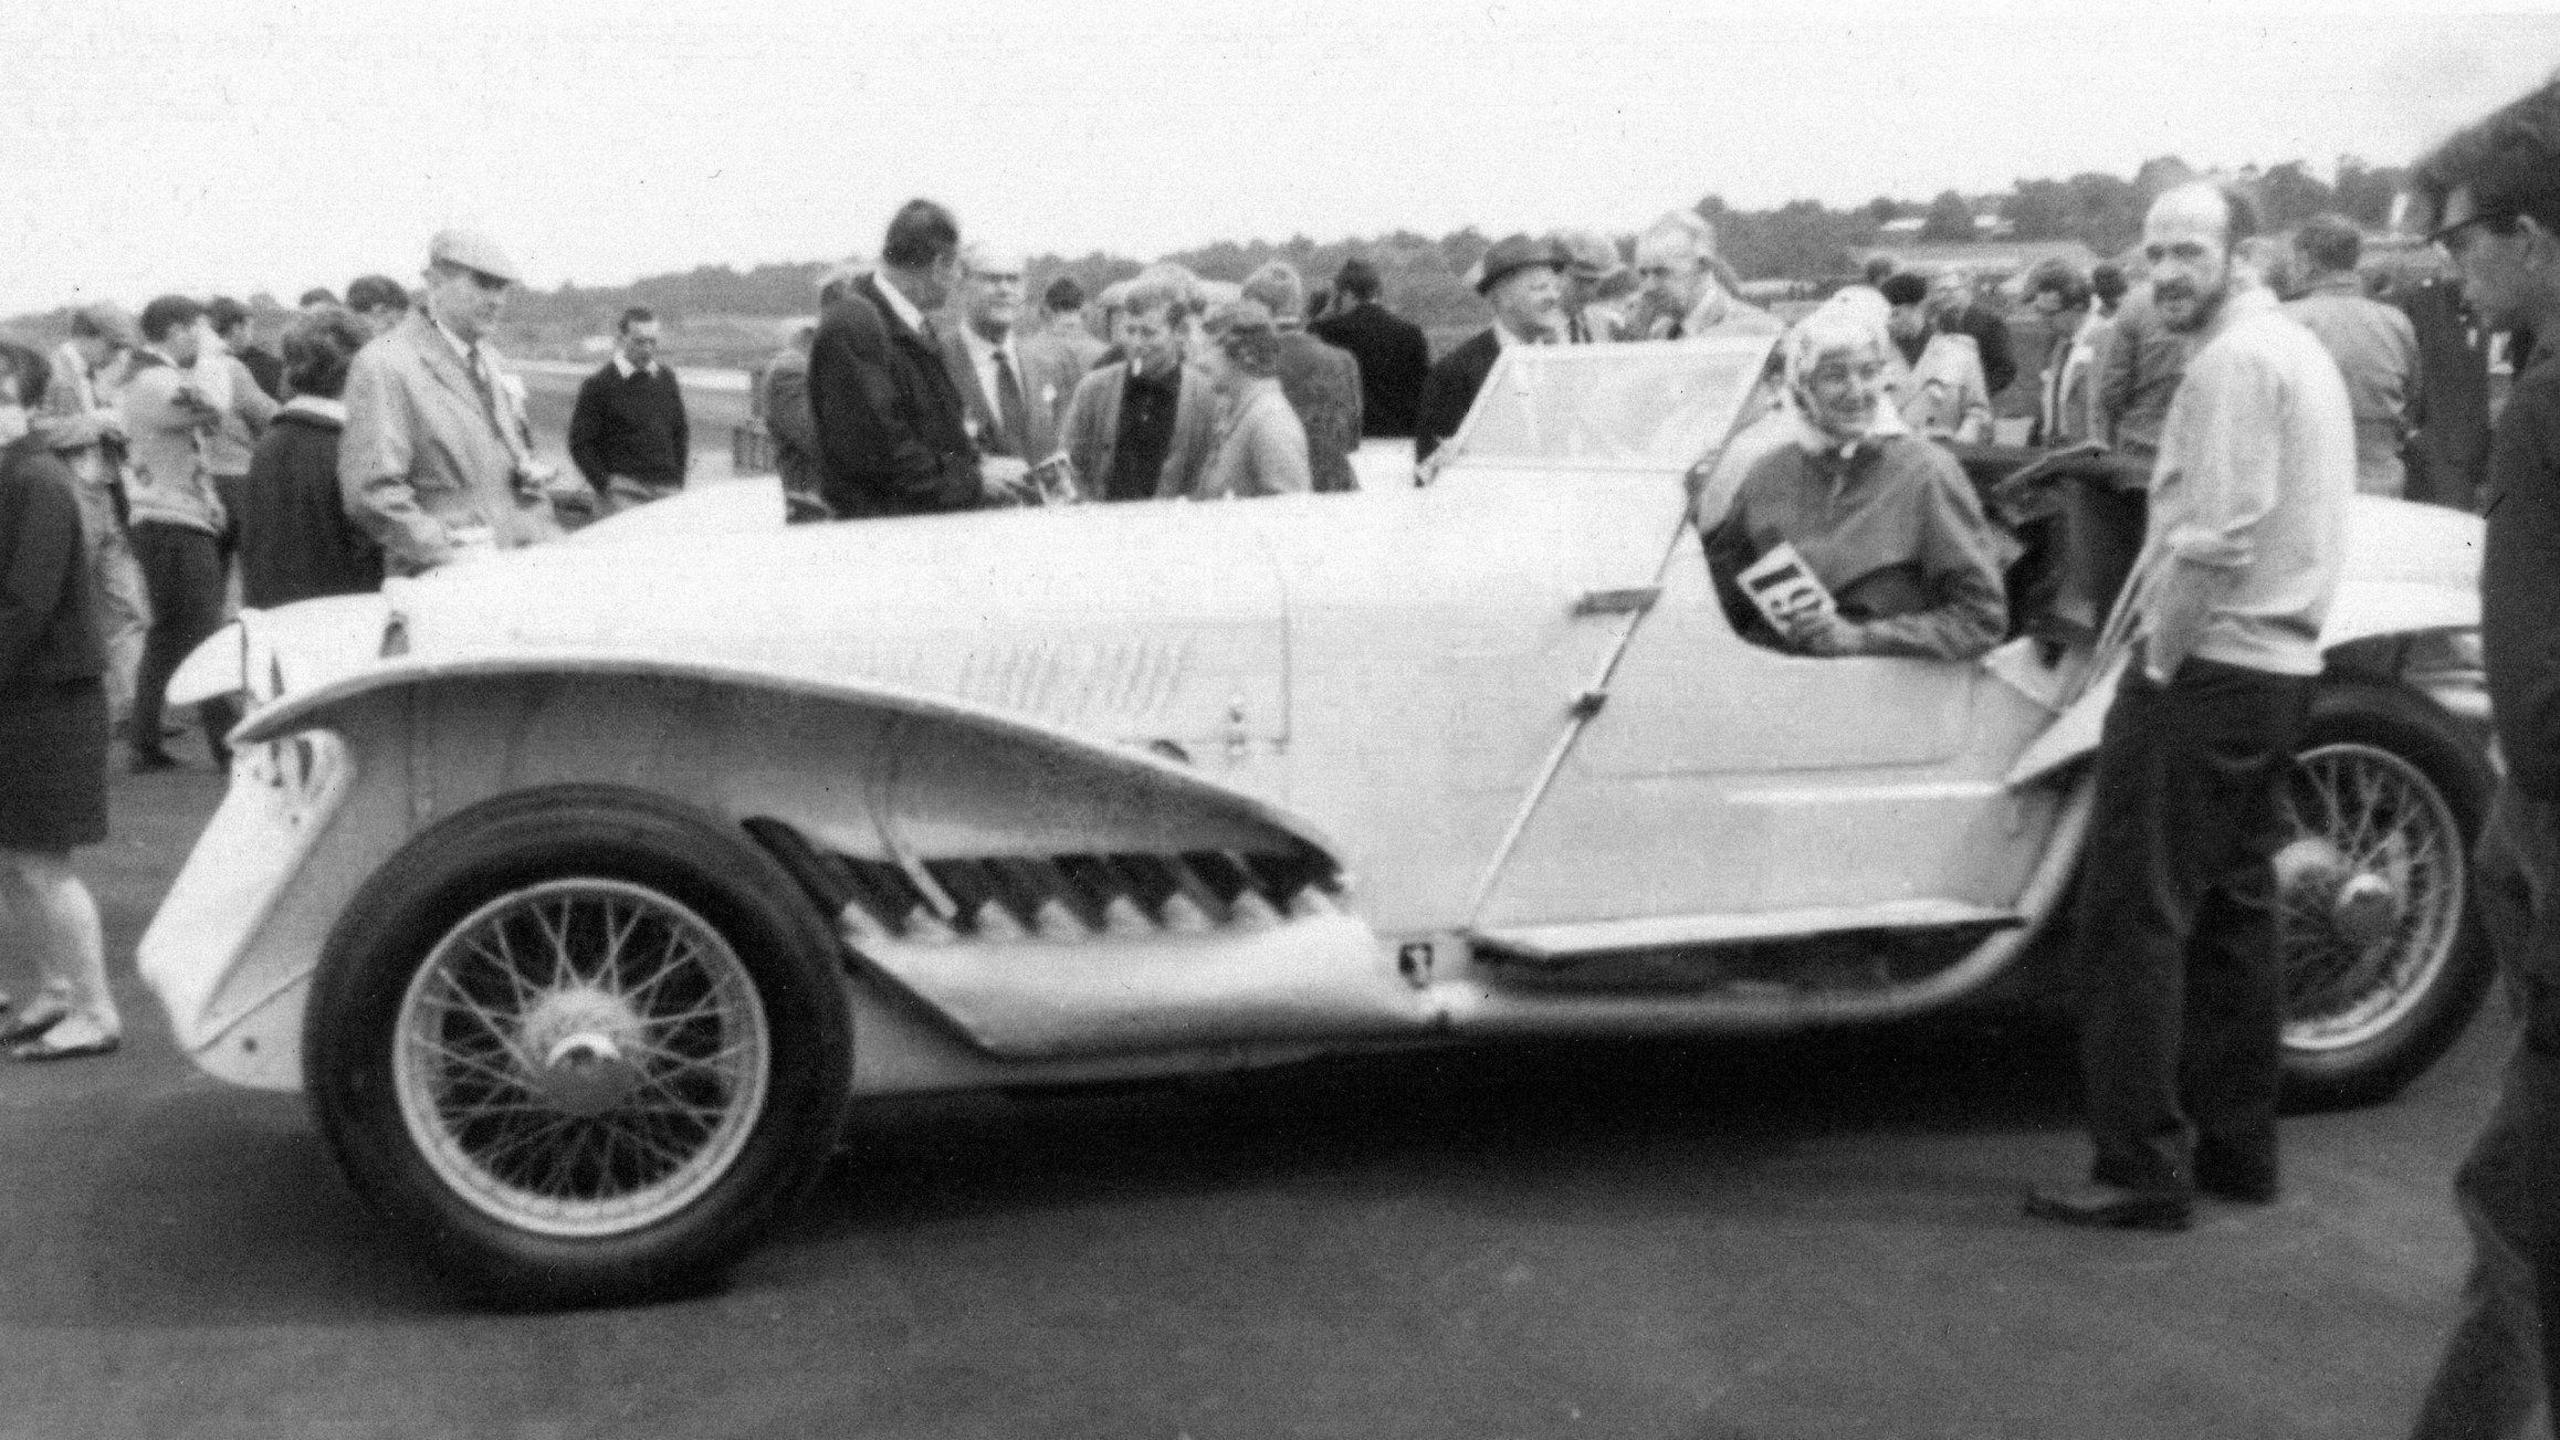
(1522, 279)
(437, 462)
(1591, 267)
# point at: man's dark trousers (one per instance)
(2179, 967)
(183, 574)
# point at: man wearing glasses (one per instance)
(437, 462)
(2493, 195)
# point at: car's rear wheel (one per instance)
(2383, 963)
(581, 1042)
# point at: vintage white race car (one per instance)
(582, 889)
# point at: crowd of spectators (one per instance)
(390, 438)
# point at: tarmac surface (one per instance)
(1810, 1238)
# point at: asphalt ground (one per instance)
(1810, 1238)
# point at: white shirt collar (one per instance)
(623, 363)
(461, 347)
(899, 305)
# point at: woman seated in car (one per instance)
(1885, 522)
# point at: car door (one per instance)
(1726, 790)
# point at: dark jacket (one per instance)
(1991, 336)
(633, 427)
(48, 633)
(296, 541)
(1451, 391)
(2520, 577)
(1394, 358)
(892, 434)
(1323, 386)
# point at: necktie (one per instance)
(1017, 421)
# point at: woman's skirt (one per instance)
(53, 767)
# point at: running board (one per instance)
(1559, 944)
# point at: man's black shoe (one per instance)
(2111, 1207)
(146, 761)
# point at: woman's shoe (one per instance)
(45, 1047)
(38, 1019)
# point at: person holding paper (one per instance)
(1881, 522)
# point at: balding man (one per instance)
(1015, 391)
(1681, 292)
(437, 462)
(2180, 962)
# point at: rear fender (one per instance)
(2364, 611)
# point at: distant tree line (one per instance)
(1424, 277)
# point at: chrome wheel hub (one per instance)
(2369, 890)
(577, 1048)
(2363, 905)
(581, 1057)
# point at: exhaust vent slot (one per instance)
(1063, 898)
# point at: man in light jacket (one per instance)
(437, 462)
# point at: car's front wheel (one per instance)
(2383, 962)
(581, 1043)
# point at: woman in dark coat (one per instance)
(296, 541)
(53, 731)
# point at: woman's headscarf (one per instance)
(1850, 322)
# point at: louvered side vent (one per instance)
(1060, 898)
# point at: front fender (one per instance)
(890, 782)
(1150, 780)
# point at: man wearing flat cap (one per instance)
(1522, 280)
(1591, 267)
(437, 463)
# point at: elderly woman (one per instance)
(296, 541)
(1884, 520)
(1260, 448)
(53, 729)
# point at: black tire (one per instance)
(554, 1136)
(2361, 1023)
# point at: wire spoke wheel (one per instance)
(581, 1057)
(2371, 889)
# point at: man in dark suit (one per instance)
(1394, 357)
(1957, 312)
(892, 429)
(1521, 279)
(1322, 383)
(1015, 390)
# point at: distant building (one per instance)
(1997, 261)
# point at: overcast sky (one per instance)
(277, 144)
